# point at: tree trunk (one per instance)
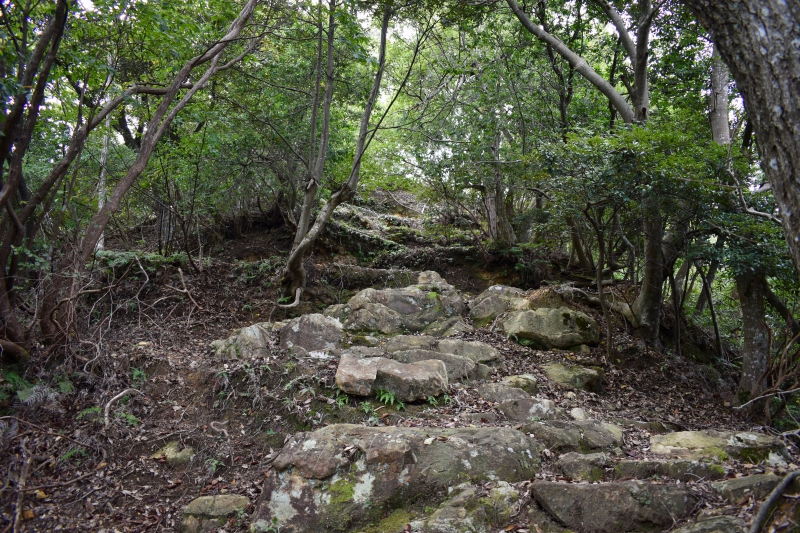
(718, 116)
(756, 334)
(758, 39)
(647, 307)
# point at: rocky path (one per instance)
(492, 414)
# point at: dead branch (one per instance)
(114, 399)
(763, 511)
(184, 290)
(23, 478)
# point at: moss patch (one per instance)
(394, 522)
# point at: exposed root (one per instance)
(114, 399)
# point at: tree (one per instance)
(758, 39)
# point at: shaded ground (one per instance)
(80, 474)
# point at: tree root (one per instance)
(111, 402)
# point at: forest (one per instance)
(323, 265)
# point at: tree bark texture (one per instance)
(760, 42)
(752, 290)
(718, 115)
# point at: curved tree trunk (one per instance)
(758, 39)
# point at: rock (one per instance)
(467, 512)
(480, 352)
(408, 382)
(458, 367)
(551, 328)
(529, 409)
(682, 470)
(314, 333)
(582, 467)
(500, 392)
(575, 377)
(614, 507)
(526, 382)
(485, 418)
(209, 513)
(414, 381)
(174, 455)
(578, 414)
(371, 317)
(483, 371)
(401, 343)
(735, 490)
(412, 308)
(252, 341)
(579, 436)
(495, 301)
(356, 375)
(318, 484)
(447, 327)
(719, 446)
(717, 524)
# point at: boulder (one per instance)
(402, 343)
(408, 382)
(209, 513)
(414, 381)
(614, 507)
(575, 377)
(314, 333)
(480, 352)
(551, 328)
(356, 375)
(370, 317)
(174, 454)
(526, 382)
(344, 476)
(458, 367)
(583, 436)
(495, 301)
(716, 524)
(412, 308)
(469, 512)
(500, 392)
(529, 409)
(447, 327)
(583, 467)
(719, 446)
(682, 470)
(578, 414)
(735, 490)
(245, 343)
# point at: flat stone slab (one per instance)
(583, 436)
(209, 513)
(681, 469)
(575, 377)
(758, 486)
(500, 392)
(341, 476)
(458, 367)
(717, 524)
(719, 446)
(614, 507)
(408, 382)
(526, 382)
(478, 352)
(583, 467)
(529, 409)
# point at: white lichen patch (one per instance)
(309, 444)
(362, 491)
